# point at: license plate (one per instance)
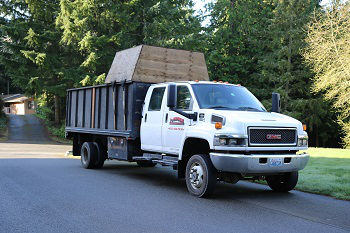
(275, 162)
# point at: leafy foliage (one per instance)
(98, 29)
(50, 45)
(328, 53)
(258, 44)
(1, 107)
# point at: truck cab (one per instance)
(221, 130)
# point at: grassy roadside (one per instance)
(3, 128)
(327, 173)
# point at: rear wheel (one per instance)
(201, 176)
(89, 155)
(101, 156)
(284, 182)
(145, 163)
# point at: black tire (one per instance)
(145, 163)
(284, 182)
(89, 154)
(101, 156)
(200, 185)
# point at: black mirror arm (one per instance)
(192, 116)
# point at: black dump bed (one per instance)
(113, 109)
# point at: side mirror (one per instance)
(171, 96)
(276, 103)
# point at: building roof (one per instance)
(13, 98)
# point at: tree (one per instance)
(328, 53)
(33, 56)
(258, 44)
(284, 65)
(98, 29)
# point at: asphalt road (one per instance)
(42, 191)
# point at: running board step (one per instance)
(158, 158)
(168, 161)
(147, 156)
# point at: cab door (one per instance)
(152, 120)
(175, 124)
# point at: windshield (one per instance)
(219, 96)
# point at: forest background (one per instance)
(298, 48)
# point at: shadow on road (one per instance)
(167, 177)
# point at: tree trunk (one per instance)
(57, 110)
(317, 137)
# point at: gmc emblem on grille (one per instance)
(273, 136)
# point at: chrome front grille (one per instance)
(261, 136)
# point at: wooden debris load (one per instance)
(151, 64)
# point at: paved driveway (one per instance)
(26, 129)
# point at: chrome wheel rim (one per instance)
(196, 175)
(84, 155)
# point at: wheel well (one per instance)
(191, 147)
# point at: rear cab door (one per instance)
(152, 119)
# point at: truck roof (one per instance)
(200, 82)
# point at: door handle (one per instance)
(146, 117)
(166, 118)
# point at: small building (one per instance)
(18, 104)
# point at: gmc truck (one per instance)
(159, 107)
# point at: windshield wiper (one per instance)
(249, 108)
(219, 106)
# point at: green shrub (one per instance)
(2, 114)
(57, 131)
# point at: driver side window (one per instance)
(184, 98)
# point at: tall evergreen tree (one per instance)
(33, 56)
(100, 28)
(258, 44)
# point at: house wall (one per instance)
(17, 108)
(28, 111)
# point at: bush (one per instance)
(57, 131)
(2, 114)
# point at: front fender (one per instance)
(196, 133)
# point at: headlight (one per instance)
(229, 140)
(302, 141)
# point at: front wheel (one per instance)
(201, 176)
(284, 182)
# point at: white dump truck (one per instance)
(159, 107)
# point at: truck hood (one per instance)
(238, 120)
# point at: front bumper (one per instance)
(258, 163)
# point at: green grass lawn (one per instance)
(327, 173)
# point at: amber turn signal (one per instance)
(304, 127)
(218, 125)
